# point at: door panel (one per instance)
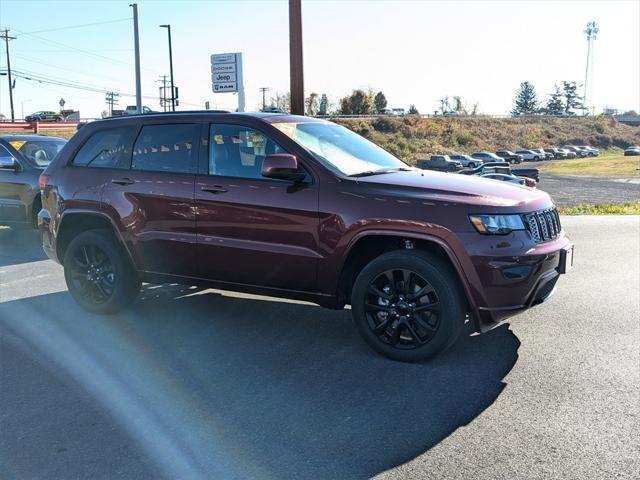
(254, 231)
(17, 189)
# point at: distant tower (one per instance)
(591, 31)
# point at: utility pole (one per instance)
(112, 99)
(173, 95)
(295, 57)
(136, 43)
(163, 92)
(6, 43)
(264, 100)
(591, 31)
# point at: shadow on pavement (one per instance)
(216, 386)
(20, 246)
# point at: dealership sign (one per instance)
(226, 72)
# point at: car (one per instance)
(300, 208)
(22, 159)
(569, 153)
(581, 153)
(591, 152)
(451, 114)
(509, 156)
(466, 160)
(632, 151)
(487, 157)
(557, 153)
(532, 175)
(133, 110)
(44, 116)
(440, 163)
(510, 178)
(544, 155)
(530, 155)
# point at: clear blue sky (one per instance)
(415, 52)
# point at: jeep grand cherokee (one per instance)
(300, 208)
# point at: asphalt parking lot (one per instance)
(206, 384)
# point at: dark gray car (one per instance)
(22, 160)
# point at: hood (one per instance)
(459, 189)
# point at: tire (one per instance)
(114, 282)
(422, 327)
(471, 165)
(535, 159)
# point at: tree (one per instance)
(459, 105)
(281, 101)
(413, 110)
(358, 103)
(474, 109)
(526, 100)
(324, 105)
(555, 104)
(572, 101)
(311, 105)
(444, 105)
(380, 102)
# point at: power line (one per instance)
(69, 27)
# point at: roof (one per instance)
(269, 117)
(10, 138)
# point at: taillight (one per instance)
(43, 181)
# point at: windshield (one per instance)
(39, 152)
(340, 149)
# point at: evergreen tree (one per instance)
(324, 105)
(555, 104)
(413, 110)
(572, 101)
(311, 105)
(380, 102)
(526, 100)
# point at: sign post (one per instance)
(226, 75)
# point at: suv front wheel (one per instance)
(408, 305)
(98, 273)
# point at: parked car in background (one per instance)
(509, 156)
(591, 152)
(543, 154)
(452, 114)
(22, 160)
(301, 208)
(503, 168)
(577, 150)
(569, 153)
(441, 163)
(557, 153)
(487, 157)
(632, 151)
(531, 155)
(466, 160)
(527, 182)
(44, 116)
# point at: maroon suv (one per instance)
(300, 208)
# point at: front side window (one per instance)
(238, 151)
(340, 149)
(107, 149)
(166, 148)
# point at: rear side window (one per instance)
(107, 149)
(166, 148)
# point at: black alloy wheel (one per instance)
(402, 308)
(92, 274)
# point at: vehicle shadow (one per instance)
(20, 246)
(217, 386)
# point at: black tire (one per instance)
(408, 332)
(98, 273)
(472, 165)
(535, 159)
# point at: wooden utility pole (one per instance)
(295, 57)
(6, 42)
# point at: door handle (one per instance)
(214, 189)
(123, 181)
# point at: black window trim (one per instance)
(136, 129)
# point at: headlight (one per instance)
(496, 224)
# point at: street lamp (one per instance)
(22, 107)
(173, 100)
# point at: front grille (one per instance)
(544, 224)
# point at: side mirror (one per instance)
(282, 166)
(8, 163)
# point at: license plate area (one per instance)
(566, 259)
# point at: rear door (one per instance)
(251, 229)
(153, 197)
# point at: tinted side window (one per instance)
(107, 149)
(237, 151)
(166, 148)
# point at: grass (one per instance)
(631, 208)
(612, 164)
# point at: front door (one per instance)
(253, 230)
(16, 188)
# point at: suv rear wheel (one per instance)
(408, 305)
(98, 273)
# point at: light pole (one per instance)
(136, 45)
(22, 107)
(591, 31)
(173, 99)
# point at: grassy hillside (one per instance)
(412, 137)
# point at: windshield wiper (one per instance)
(382, 171)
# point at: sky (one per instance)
(416, 52)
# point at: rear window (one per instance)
(109, 148)
(166, 148)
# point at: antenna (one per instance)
(591, 31)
